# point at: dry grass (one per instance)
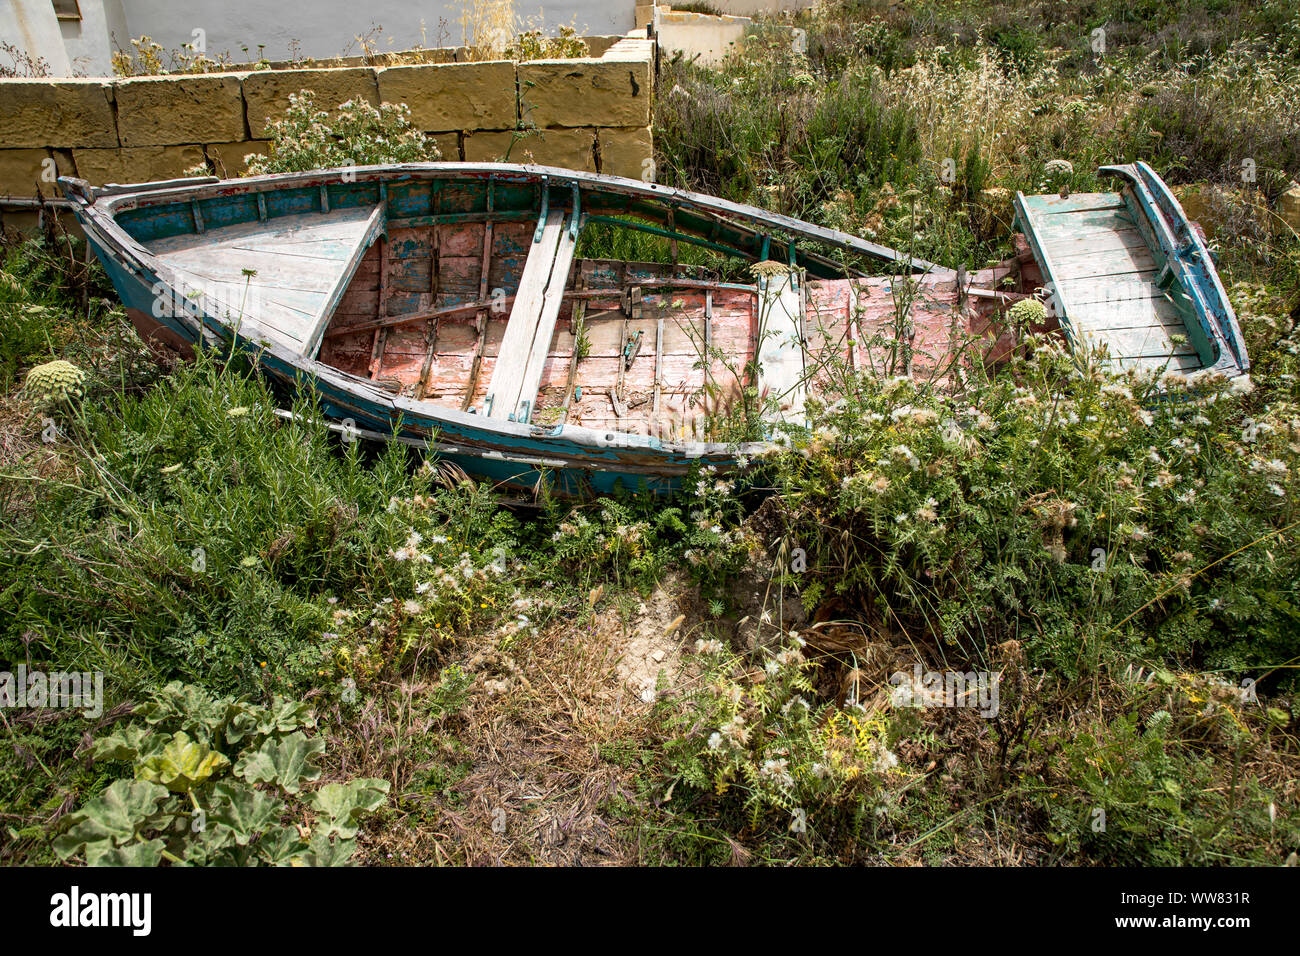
(487, 27)
(532, 785)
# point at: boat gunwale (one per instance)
(120, 201)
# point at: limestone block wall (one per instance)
(591, 114)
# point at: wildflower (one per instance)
(239, 411)
(777, 771)
(411, 607)
(1118, 390)
(885, 759)
(905, 453)
(169, 469)
(793, 702)
(735, 730)
(715, 741)
(1277, 489)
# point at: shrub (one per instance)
(357, 134)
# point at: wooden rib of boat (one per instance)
(1131, 274)
(446, 304)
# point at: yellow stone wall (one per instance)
(591, 114)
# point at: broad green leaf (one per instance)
(249, 720)
(244, 811)
(112, 817)
(282, 846)
(212, 846)
(343, 804)
(128, 743)
(182, 764)
(186, 707)
(241, 722)
(287, 761)
(286, 715)
(148, 853)
(323, 851)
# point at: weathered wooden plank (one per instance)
(373, 228)
(1093, 241)
(1077, 202)
(1150, 342)
(1063, 226)
(1100, 266)
(278, 277)
(780, 349)
(1129, 314)
(532, 322)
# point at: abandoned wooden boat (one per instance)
(445, 303)
(1128, 272)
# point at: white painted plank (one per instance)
(526, 315)
(1118, 262)
(550, 313)
(274, 279)
(781, 350)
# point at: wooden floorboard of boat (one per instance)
(279, 278)
(1104, 275)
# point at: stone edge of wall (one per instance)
(592, 113)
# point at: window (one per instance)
(67, 10)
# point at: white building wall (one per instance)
(31, 26)
(328, 28)
(310, 28)
(87, 43)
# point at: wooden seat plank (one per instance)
(781, 349)
(512, 392)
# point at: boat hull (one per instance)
(523, 463)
